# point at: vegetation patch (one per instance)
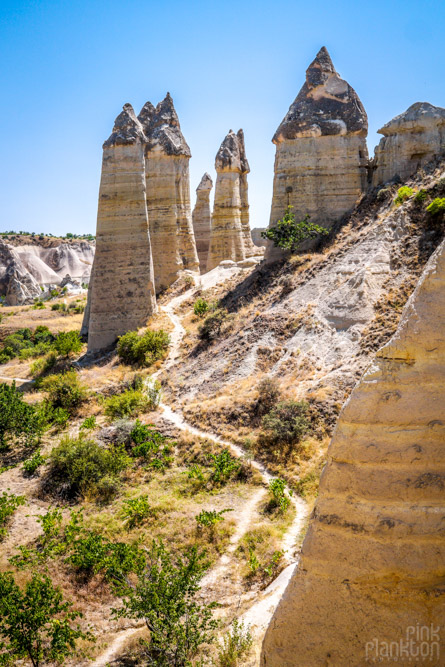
(143, 349)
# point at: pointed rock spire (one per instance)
(145, 116)
(229, 154)
(164, 131)
(205, 183)
(242, 149)
(127, 128)
(325, 105)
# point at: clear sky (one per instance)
(69, 66)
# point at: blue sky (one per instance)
(68, 67)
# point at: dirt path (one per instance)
(259, 614)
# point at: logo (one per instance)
(420, 644)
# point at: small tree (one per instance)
(36, 623)
(18, 420)
(165, 597)
(289, 234)
(68, 342)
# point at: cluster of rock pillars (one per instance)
(370, 584)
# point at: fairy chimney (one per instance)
(202, 219)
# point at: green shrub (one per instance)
(268, 395)
(289, 234)
(42, 366)
(437, 206)
(8, 505)
(36, 624)
(224, 466)
(209, 518)
(19, 422)
(212, 326)
(421, 195)
(143, 349)
(200, 307)
(128, 404)
(136, 511)
(32, 464)
(286, 424)
(77, 466)
(277, 488)
(59, 306)
(68, 342)
(152, 446)
(93, 553)
(39, 305)
(65, 390)
(403, 194)
(89, 423)
(236, 645)
(166, 599)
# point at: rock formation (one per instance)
(17, 285)
(168, 193)
(201, 220)
(122, 295)
(321, 155)
(370, 578)
(409, 141)
(230, 231)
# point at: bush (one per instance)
(93, 553)
(32, 464)
(19, 422)
(437, 206)
(289, 234)
(236, 645)
(68, 342)
(403, 194)
(42, 366)
(421, 195)
(209, 518)
(286, 424)
(65, 390)
(277, 488)
(36, 623)
(224, 466)
(77, 466)
(151, 446)
(8, 505)
(165, 597)
(136, 511)
(200, 307)
(143, 349)
(268, 395)
(89, 423)
(127, 404)
(211, 328)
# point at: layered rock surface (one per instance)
(230, 231)
(17, 284)
(410, 140)
(202, 220)
(122, 294)
(168, 193)
(321, 155)
(372, 565)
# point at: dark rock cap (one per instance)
(232, 153)
(325, 105)
(127, 129)
(162, 128)
(419, 116)
(206, 183)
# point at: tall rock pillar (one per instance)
(250, 249)
(168, 193)
(122, 295)
(230, 219)
(201, 220)
(369, 588)
(321, 154)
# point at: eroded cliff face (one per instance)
(410, 140)
(122, 295)
(372, 565)
(230, 230)
(168, 193)
(321, 155)
(202, 220)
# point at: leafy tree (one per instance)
(18, 420)
(200, 307)
(143, 349)
(165, 597)
(8, 505)
(65, 390)
(277, 488)
(36, 623)
(286, 423)
(224, 466)
(289, 234)
(68, 342)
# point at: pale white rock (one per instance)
(202, 220)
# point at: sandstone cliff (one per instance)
(168, 193)
(371, 570)
(230, 231)
(17, 285)
(321, 155)
(201, 220)
(409, 142)
(122, 295)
